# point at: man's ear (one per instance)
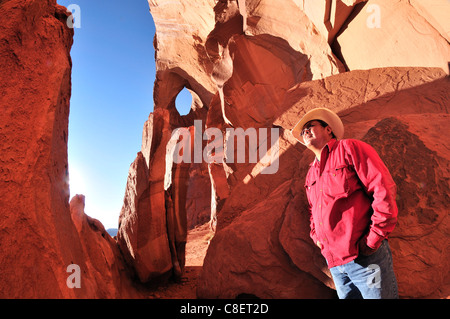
(329, 130)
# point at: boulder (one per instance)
(105, 266)
(247, 258)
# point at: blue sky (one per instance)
(113, 74)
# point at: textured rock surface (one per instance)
(435, 12)
(420, 243)
(384, 33)
(409, 142)
(40, 234)
(35, 219)
(105, 267)
(246, 257)
(258, 53)
(153, 234)
(328, 16)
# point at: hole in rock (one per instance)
(183, 102)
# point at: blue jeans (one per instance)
(367, 277)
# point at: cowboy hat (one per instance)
(324, 114)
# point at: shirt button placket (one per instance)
(320, 210)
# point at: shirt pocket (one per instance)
(311, 190)
(336, 183)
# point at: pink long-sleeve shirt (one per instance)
(352, 197)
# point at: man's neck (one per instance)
(322, 157)
(318, 152)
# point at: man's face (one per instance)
(315, 135)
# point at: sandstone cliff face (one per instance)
(237, 68)
(39, 237)
(35, 219)
(384, 33)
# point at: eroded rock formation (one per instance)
(373, 38)
(35, 218)
(40, 238)
(263, 65)
(105, 273)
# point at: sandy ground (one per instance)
(196, 247)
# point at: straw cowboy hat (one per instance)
(324, 114)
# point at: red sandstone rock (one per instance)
(40, 238)
(198, 197)
(436, 13)
(352, 2)
(246, 257)
(258, 54)
(142, 227)
(328, 16)
(106, 272)
(262, 72)
(181, 59)
(359, 94)
(153, 233)
(420, 241)
(395, 33)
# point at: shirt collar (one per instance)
(331, 145)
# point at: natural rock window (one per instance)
(183, 102)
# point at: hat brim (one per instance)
(324, 114)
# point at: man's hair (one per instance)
(324, 124)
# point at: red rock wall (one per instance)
(385, 33)
(39, 236)
(35, 85)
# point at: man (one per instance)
(352, 207)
